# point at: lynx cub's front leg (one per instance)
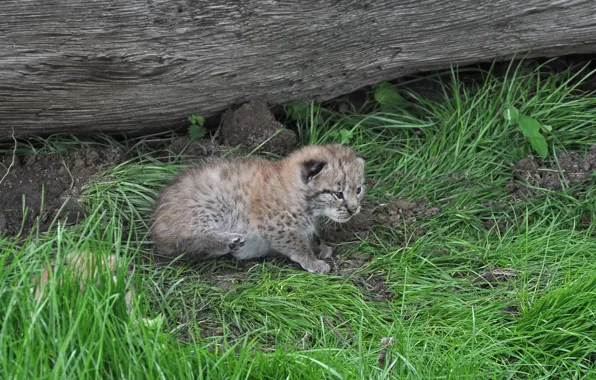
(298, 249)
(321, 250)
(325, 252)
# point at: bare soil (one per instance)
(374, 288)
(529, 175)
(44, 188)
(396, 213)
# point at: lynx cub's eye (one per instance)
(338, 195)
(359, 190)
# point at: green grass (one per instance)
(269, 319)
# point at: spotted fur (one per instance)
(254, 207)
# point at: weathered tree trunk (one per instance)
(112, 65)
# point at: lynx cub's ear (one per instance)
(311, 169)
(362, 159)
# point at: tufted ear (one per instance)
(311, 169)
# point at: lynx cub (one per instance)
(253, 207)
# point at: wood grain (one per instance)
(111, 65)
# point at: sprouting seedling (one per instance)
(197, 129)
(530, 128)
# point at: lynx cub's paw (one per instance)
(237, 241)
(319, 267)
(326, 252)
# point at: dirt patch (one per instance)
(345, 266)
(374, 288)
(492, 277)
(48, 187)
(252, 125)
(402, 211)
(396, 213)
(529, 175)
(499, 225)
(373, 285)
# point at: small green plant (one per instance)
(344, 136)
(197, 129)
(387, 96)
(530, 128)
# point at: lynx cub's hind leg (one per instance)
(209, 244)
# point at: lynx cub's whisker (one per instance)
(254, 207)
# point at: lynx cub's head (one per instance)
(334, 180)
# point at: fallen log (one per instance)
(109, 65)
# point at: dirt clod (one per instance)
(572, 169)
(402, 211)
(526, 165)
(48, 187)
(252, 124)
